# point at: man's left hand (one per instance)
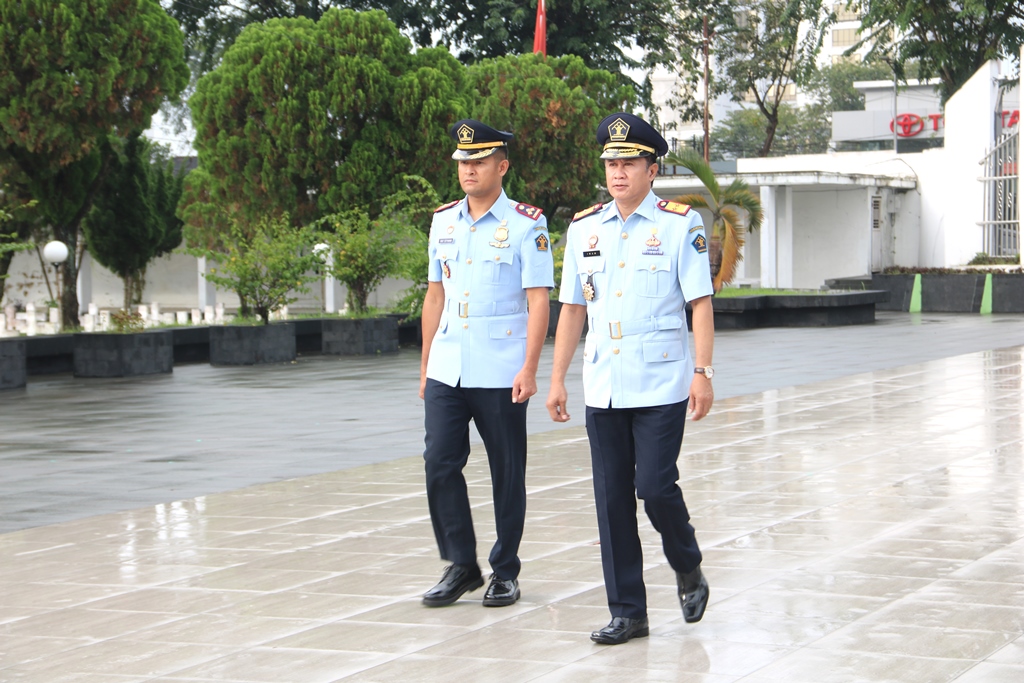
(702, 395)
(523, 386)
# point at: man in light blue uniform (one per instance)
(485, 318)
(630, 268)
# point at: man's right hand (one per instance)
(557, 398)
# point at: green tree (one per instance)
(132, 220)
(727, 208)
(799, 130)
(607, 34)
(832, 86)
(774, 45)
(948, 40)
(553, 106)
(264, 262)
(313, 118)
(71, 73)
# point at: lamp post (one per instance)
(56, 253)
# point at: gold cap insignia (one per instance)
(465, 134)
(618, 130)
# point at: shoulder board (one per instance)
(447, 206)
(673, 207)
(586, 212)
(529, 211)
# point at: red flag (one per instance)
(540, 31)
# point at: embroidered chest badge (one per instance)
(500, 237)
(653, 244)
(700, 244)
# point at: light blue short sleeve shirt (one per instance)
(635, 277)
(485, 266)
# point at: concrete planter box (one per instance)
(811, 310)
(900, 287)
(252, 345)
(1007, 293)
(13, 368)
(123, 355)
(959, 293)
(359, 336)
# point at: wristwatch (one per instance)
(708, 371)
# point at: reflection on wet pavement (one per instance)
(861, 528)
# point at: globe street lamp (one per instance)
(56, 253)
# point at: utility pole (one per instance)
(707, 130)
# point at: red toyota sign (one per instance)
(907, 125)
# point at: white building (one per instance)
(849, 214)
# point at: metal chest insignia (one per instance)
(700, 244)
(500, 237)
(589, 291)
(446, 269)
(653, 244)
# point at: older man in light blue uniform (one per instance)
(630, 268)
(485, 318)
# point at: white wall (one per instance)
(831, 235)
(171, 281)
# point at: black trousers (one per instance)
(502, 426)
(634, 453)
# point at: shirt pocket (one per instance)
(507, 330)
(447, 256)
(592, 267)
(653, 276)
(497, 268)
(590, 350)
(664, 350)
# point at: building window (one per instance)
(788, 92)
(844, 37)
(844, 12)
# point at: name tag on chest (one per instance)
(592, 252)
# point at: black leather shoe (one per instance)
(501, 592)
(620, 630)
(457, 579)
(693, 594)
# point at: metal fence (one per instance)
(1001, 218)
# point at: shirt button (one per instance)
(590, 271)
(466, 293)
(618, 292)
(664, 355)
(625, 235)
(622, 264)
(508, 332)
(654, 267)
(497, 258)
(616, 350)
(473, 229)
(469, 261)
(465, 326)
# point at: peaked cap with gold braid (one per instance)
(477, 140)
(625, 135)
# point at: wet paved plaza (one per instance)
(858, 493)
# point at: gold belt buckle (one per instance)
(463, 309)
(615, 329)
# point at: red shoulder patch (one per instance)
(673, 207)
(586, 212)
(447, 206)
(531, 212)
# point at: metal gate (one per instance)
(1001, 219)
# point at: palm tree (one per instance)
(727, 230)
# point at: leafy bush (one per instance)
(264, 264)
